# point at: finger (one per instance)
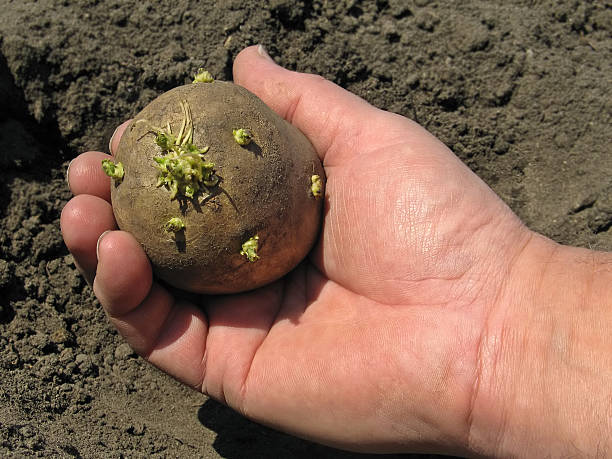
(169, 334)
(124, 274)
(85, 175)
(333, 119)
(84, 218)
(113, 143)
(238, 324)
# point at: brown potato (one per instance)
(265, 191)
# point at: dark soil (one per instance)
(520, 90)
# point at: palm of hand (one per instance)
(390, 306)
(363, 344)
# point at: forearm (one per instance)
(545, 376)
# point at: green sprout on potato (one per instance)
(174, 225)
(242, 136)
(249, 249)
(316, 187)
(113, 170)
(203, 76)
(182, 168)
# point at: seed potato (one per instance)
(223, 194)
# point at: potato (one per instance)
(222, 193)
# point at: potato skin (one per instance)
(265, 191)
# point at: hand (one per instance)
(375, 342)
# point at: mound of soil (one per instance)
(519, 90)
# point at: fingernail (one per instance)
(68, 172)
(110, 142)
(263, 53)
(98, 243)
(88, 277)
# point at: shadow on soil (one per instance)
(29, 148)
(235, 435)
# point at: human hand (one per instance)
(374, 343)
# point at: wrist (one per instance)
(544, 384)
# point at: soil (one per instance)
(520, 90)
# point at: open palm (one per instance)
(370, 344)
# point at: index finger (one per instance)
(85, 174)
(113, 144)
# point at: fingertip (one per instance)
(85, 175)
(254, 52)
(98, 243)
(263, 52)
(113, 143)
(256, 71)
(124, 275)
(82, 221)
(326, 113)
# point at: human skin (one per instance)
(427, 318)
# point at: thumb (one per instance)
(327, 114)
